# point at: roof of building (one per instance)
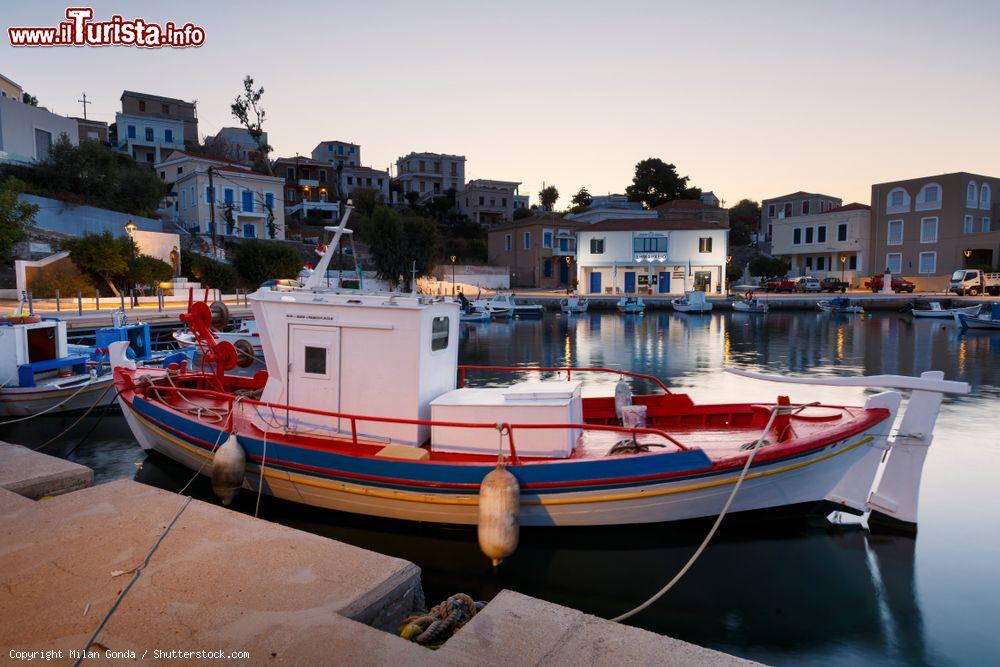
(11, 82)
(428, 154)
(159, 98)
(674, 204)
(308, 161)
(933, 176)
(853, 206)
(337, 141)
(89, 121)
(172, 155)
(539, 219)
(357, 167)
(802, 194)
(652, 224)
(491, 183)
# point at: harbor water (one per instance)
(782, 590)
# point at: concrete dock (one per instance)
(257, 591)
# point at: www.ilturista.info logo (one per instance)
(81, 30)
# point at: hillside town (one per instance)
(663, 236)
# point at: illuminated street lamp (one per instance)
(843, 262)
(131, 227)
(453, 259)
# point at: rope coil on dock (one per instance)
(434, 628)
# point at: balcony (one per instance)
(308, 183)
(563, 252)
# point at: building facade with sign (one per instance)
(652, 256)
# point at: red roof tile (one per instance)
(854, 206)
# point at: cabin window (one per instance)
(439, 333)
(315, 360)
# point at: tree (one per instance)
(383, 234)
(256, 261)
(421, 244)
(412, 196)
(763, 265)
(115, 261)
(656, 182)
(365, 200)
(248, 110)
(581, 201)
(149, 271)
(743, 220)
(548, 197)
(520, 213)
(209, 272)
(29, 99)
(227, 215)
(16, 217)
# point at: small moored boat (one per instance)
(750, 304)
(990, 322)
(631, 305)
(840, 305)
(504, 305)
(945, 313)
(573, 304)
(692, 302)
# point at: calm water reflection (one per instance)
(787, 592)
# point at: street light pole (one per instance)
(453, 258)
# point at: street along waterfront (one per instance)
(779, 591)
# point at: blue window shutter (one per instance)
(229, 196)
(247, 201)
(269, 200)
(168, 136)
(131, 131)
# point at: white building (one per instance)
(652, 256)
(147, 138)
(27, 132)
(430, 174)
(246, 197)
(354, 177)
(236, 144)
(834, 243)
(338, 153)
(612, 212)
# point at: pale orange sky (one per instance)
(749, 99)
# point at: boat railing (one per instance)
(568, 370)
(505, 429)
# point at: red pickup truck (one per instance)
(898, 284)
(779, 284)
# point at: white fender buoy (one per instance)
(499, 507)
(228, 469)
(623, 396)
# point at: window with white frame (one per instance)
(842, 231)
(897, 201)
(506, 242)
(971, 195)
(984, 196)
(797, 236)
(894, 262)
(546, 238)
(596, 246)
(527, 240)
(821, 234)
(929, 197)
(770, 210)
(928, 262)
(928, 230)
(894, 235)
(985, 223)
(967, 224)
(809, 235)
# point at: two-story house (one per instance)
(309, 185)
(926, 228)
(27, 133)
(430, 174)
(243, 202)
(168, 108)
(652, 256)
(539, 251)
(356, 177)
(831, 244)
(796, 203)
(488, 202)
(338, 153)
(148, 138)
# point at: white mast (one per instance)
(316, 279)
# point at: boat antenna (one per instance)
(316, 279)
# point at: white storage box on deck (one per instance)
(553, 402)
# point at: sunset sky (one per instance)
(749, 99)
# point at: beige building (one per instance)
(790, 205)
(430, 174)
(10, 90)
(251, 201)
(92, 130)
(488, 202)
(338, 153)
(926, 228)
(166, 108)
(831, 244)
(539, 251)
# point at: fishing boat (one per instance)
(474, 316)
(990, 322)
(40, 374)
(140, 344)
(364, 408)
(245, 332)
(573, 304)
(937, 311)
(692, 302)
(631, 305)
(751, 305)
(840, 305)
(503, 305)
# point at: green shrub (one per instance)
(256, 261)
(768, 266)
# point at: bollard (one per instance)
(31, 305)
(97, 299)
(58, 308)
(121, 299)
(159, 300)
(79, 303)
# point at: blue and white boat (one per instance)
(989, 322)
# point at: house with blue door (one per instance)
(538, 251)
(650, 256)
(245, 203)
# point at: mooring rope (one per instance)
(79, 419)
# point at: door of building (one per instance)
(702, 280)
(595, 282)
(630, 282)
(663, 282)
(314, 372)
(563, 273)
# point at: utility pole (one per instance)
(85, 103)
(211, 208)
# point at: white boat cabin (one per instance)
(35, 347)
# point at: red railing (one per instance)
(504, 428)
(568, 370)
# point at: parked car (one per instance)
(282, 284)
(779, 284)
(898, 284)
(833, 285)
(806, 284)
